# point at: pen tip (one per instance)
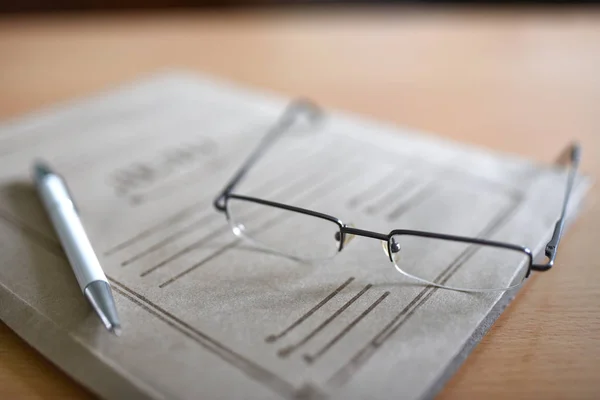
(100, 297)
(116, 330)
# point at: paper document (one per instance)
(208, 315)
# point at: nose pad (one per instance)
(395, 247)
(347, 237)
(384, 244)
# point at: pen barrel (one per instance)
(69, 229)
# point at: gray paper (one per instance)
(208, 315)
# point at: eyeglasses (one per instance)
(307, 235)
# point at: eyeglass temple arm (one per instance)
(552, 246)
(286, 120)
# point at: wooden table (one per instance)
(525, 82)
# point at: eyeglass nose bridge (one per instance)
(348, 232)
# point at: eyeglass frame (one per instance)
(314, 113)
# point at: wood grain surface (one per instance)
(523, 81)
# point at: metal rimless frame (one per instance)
(308, 235)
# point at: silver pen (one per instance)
(65, 219)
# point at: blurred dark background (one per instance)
(27, 6)
(22, 6)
